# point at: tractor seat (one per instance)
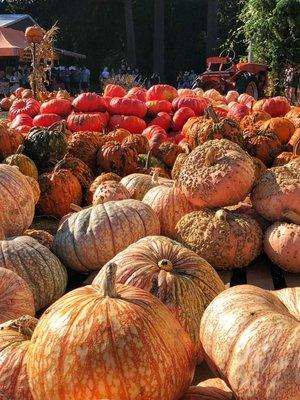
(219, 64)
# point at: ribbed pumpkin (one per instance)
(93, 122)
(58, 190)
(118, 158)
(16, 298)
(135, 332)
(180, 117)
(216, 174)
(276, 192)
(225, 239)
(198, 105)
(211, 389)
(24, 163)
(162, 119)
(168, 152)
(130, 122)
(283, 128)
(294, 140)
(183, 281)
(156, 106)
(16, 201)
(45, 146)
(43, 272)
(254, 117)
(118, 135)
(10, 140)
(238, 111)
(138, 142)
(282, 245)
(276, 106)
(112, 90)
(127, 106)
(24, 106)
(14, 341)
(89, 102)
(91, 237)
(251, 338)
(161, 92)
(62, 107)
(43, 237)
(109, 176)
(109, 191)
(170, 205)
(139, 184)
(46, 120)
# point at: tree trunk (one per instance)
(131, 55)
(212, 28)
(158, 39)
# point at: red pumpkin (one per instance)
(198, 105)
(114, 91)
(27, 94)
(276, 106)
(46, 120)
(238, 111)
(153, 130)
(156, 106)
(138, 92)
(162, 119)
(94, 122)
(24, 106)
(221, 112)
(161, 92)
(127, 106)
(60, 107)
(23, 129)
(89, 102)
(21, 119)
(131, 123)
(180, 117)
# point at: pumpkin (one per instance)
(246, 99)
(276, 106)
(294, 113)
(178, 164)
(284, 158)
(148, 161)
(118, 158)
(232, 95)
(24, 163)
(253, 118)
(27, 94)
(30, 107)
(260, 167)
(21, 119)
(238, 111)
(46, 120)
(198, 105)
(127, 106)
(156, 106)
(153, 131)
(138, 92)
(89, 102)
(15, 337)
(79, 169)
(59, 189)
(160, 171)
(163, 120)
(181, 280)
(35, 187)
(276, 192)
(60, 107)
(161, 370)
(109, 176)
(43, 272)
(85, 146)
(16, 201)
(118, 135)
(168, 152)
(213, 94)
(283, 128)
(34, 34)
(138, 142)
(294, 140)
(43, 237)
(211, 389)
(112, 90)
(262, 143)
(282, 245)
(139, 184)
(130, 122)
(94, 122)
(45, 146)
(252, 330)
(225, 239)
(16, 298)
(180, 117)
(161, 92)
(170, 205)
(23, 129)
(10, 140)
(216, 174)
(5, 104)
(109, 191)
(186, 92)
(91, 237)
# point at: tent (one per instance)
(12, 42)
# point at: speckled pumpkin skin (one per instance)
(248, 329)
(24, 163)
(14, 341)
(43, 272)
(110, 191)
(277, 190)
(283, 127)
(117, 158)
(254, 117)
(216, 174)
(134, 337)
(106, 176)
(170, 205)
(282, 245)
(35, 187)
(139, 184)
(178, 164)
(16, 298)
(211, 389)
(225, 239)
(168, 152)
(186, 286)
(10, 140)
(138, 142)
(90, 238)
(263, 144)
(16, 201)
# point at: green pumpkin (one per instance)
(46, 146)
(24, 163)
(153, 161)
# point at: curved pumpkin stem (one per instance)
(109, 281)
(148, 159)
(213, 115)
(75, 207)
(155, 176)
(24, 325)
(166, 265)
(292, 216)
(20, 149)
(210, 157)
(221, 215)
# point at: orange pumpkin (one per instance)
(283, 128)
(110, 191)
(260, 167)
(211, 389)
(137, 334)
(10, 140)
(34, 34)
(138, 142)
(284, 158)
(294, 140)
(118, 135)
(253, 118)
(118, 158)
(168, 152)
(109, 176)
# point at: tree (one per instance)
(158, 38)
(212, 28)
(131, 55)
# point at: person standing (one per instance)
(105, 73)
(85, 78)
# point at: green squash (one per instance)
(153, 161)
(24, 163)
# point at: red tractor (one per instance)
(223, 75)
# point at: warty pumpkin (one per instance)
(251, 338)
(118, 135)
(24, 163)
(118, 158)
(285, 157)
(35, 187)
(10, 140)
(179, 278)
(93, 236)
(109, 191)
(178, 164)
(225, 239)
(136, 333)
(168, 152)
(43, 272)
(216, 174)
(253, 118)
(138, 142)
(108, 176)
(16, 298)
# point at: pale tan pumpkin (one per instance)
(225, 239)
(139, 184)
(43, 272)
(109, 191)
(90, 238)
(251, 338)
(183, 281)
(16, 298)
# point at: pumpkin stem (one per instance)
(210, 157)
(166, 265)
(221, 215)
(148, 160)
(75, 207)
(292, 216)
(24, 325)
(109, 281)
(58, 165)
(296, 148)
(213, 115)
(155, 176)
(20, 149)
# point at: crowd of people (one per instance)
(186, 80)
(292, 83)
(73, 79)
(11, 78)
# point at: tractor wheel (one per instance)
(248, 84)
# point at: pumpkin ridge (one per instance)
(111, 228)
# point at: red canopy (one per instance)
(12, 42)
